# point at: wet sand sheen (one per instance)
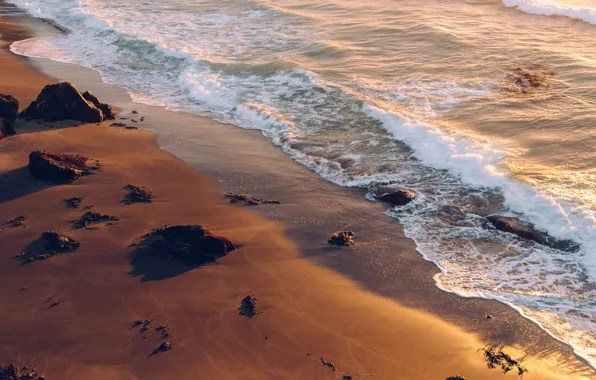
(306, 307)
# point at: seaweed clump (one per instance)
(251, 201)
(495, 357)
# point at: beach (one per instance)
(373, 310)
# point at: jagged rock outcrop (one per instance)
(9, 110)
(62, 101)
(58, 168)
(108, 113)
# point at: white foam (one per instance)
(585, 13)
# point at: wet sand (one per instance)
(373, 309)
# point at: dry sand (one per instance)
(307, 311)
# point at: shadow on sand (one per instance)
(18, 183)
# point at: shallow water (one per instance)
(480, 106)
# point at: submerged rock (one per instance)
(62, 101)
(251, 201)
(343, 239)
(189, 244)
(398, 198)
(525, 231)
(108, 113)
(59, 168)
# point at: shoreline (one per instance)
(310, 202)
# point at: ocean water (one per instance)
(430, 95)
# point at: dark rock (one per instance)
(328, 364)
(53, 304)
(19, 221)
(398, 198)
(9, 107)
(190, 244)
(252, 201)
(108, 113)
(456, 378)
(6, 128)
(59, 168)
(248, 306)
(92, 217)
(135, 112)
(130, 127)
(514, 226)
(74, 202)
(62, 101)
(119, 125)
(347, 377)
(137, 195)
(343, 238)
(13, 372)
(49, 244)
(165, 346)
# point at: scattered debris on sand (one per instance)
(495, 357)
(59, 168)
(49, 243)
(19, 221)
(328, 364)
(92, 217)
(248, 306)
(73, 202)
(251, 201)
(190, 244)
(62, 101)
(137, 194)
(526, 231)
(165, 346)
(13, 372)
(343, 239)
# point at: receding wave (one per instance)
(177, 60)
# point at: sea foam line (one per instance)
(550, 9)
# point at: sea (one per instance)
(481, 107)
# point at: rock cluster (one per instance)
(92, 217)
(58, 168)
(190, 244)
(62, 101)
(50, 243)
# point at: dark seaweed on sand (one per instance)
(495, 357)
(251, 201)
